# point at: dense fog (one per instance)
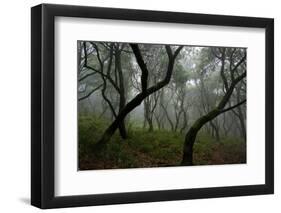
(192, 96)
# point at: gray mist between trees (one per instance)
(183, 90)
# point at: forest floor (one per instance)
(158, 148)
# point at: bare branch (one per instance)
(87, 75)
(144, 75)
(107, 76)
(239, 63)
(232, 107)
(222, 70)
(168, 76)
(215, 54)
(90, 93)
(230, 64)
(229, 92)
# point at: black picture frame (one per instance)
(43, 102)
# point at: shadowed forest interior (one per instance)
(154, 105)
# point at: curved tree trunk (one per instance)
(118, 120)
(187, 159)
(122, 130)
(106, 77)
(137, 100)
(192, 132)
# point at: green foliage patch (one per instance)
(150, 149)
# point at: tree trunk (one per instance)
(242, 123)
(158, 122)
(225, 129)
(119, 119)
(241, 116)
(185, 122)
(145, 112)
(192, 133)
(168, 117)
(122, 130)
(216, 133)
(190, 137)
(137, 100)
(122, 98)
(150, 124)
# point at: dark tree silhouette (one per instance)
(118, 84)
(190, 137)
(188, 96)
(145, 91)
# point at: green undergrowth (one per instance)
(150, 149)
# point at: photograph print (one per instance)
(160, 105)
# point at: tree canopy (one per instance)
(153, 87)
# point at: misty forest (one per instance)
(152, 105)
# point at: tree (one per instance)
(238, 112)
(154, 57)
(189, 96)
(159, 114)
(179, 89)
(207, 84)
(112, 55)
(150, 104)
(145, 90)
(164, 106)
(236, 74)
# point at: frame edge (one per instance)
(269, 116)
(36, 49)
(42, 174)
